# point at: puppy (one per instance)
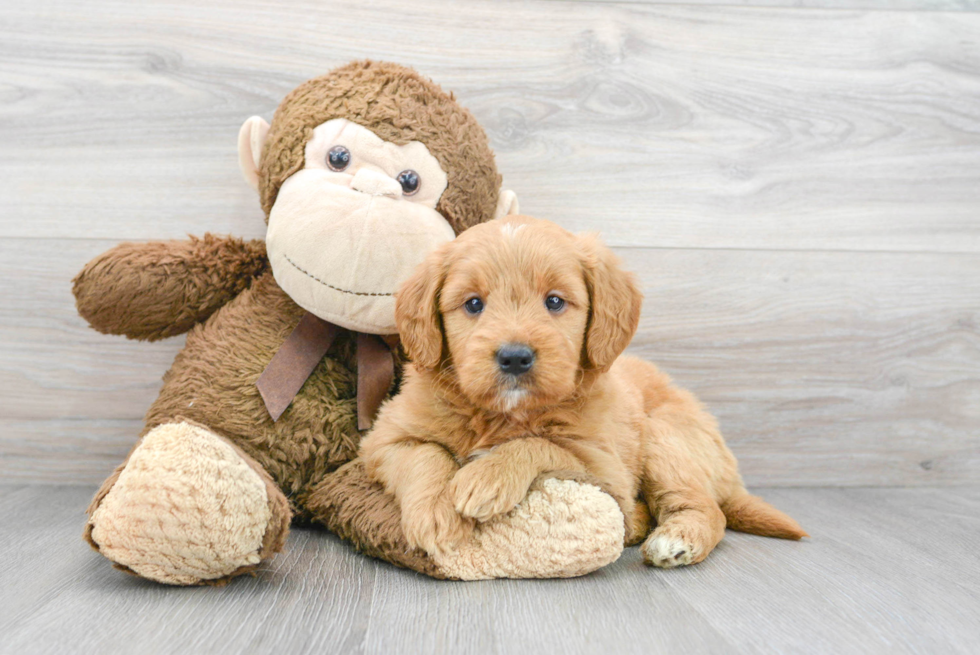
(515, 330)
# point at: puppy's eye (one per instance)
(473, 306)
(410, 182)
(338, 158)
(554, 303)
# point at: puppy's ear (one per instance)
(417, 312)
(614, 304)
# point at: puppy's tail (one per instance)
(751, 514)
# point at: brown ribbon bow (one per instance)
(303, 349)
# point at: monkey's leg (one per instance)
(188, 507)
(565, 526)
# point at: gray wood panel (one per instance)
(777, 176)
(824, 367)
(64, 451)
(662, 125)
(881, 5)
(887, 570)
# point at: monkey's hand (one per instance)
(160, 289)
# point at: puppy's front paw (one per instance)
(435, 526)
(673, 545)
(485, 488)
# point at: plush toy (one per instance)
(291, 348)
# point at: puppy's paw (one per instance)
(486, 488)
(673, 545)
(435, 526)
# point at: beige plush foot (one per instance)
(561, 529)
(188, 508)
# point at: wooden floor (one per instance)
(887, 571)
(795, 182)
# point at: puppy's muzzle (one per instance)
(515, 359)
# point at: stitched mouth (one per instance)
(330, 286)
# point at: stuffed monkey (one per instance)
(291, 347)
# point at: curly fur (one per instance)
(398, 105)
(157, 290)
(220, 290)
(463, 441)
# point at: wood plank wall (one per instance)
(796, 182)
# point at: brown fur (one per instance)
(398, 105)
(461, 443)
(157, 290)
(367, 519)
(220, 290)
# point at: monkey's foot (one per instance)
(562, 529)
(565, 526)
(188, 508)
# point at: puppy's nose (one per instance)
(515, 358)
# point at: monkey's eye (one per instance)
(410, 182)
(338, 158)
(473, 306)
(554, 303)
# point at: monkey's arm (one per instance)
(160, 289)
(566, 526)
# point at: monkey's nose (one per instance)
(515, 358)
(374, 183)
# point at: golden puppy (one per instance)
(515, 330)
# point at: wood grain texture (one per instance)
(880, 5)
(823, 367)
(796, 188)
(662, 125)
(888, 570)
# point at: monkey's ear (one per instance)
(417, 312)
(506, 204)
(614, 304)
(250, 140)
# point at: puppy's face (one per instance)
(516, 309)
